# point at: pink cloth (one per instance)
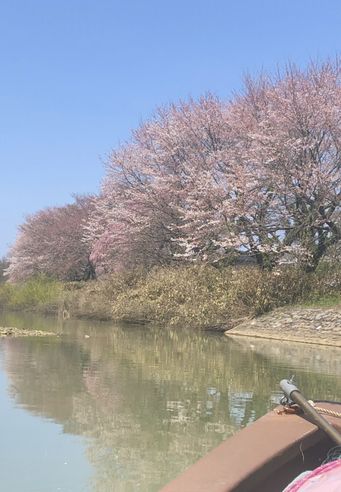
(325, 478)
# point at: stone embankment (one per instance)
(306, 325)
(9, 331)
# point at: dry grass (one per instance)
(200, 296)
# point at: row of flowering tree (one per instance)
(260, 175)
(207, 180)
(51, 243)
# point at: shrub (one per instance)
(39, 292)
(196, 295)
(206, 296)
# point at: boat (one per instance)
(270, 453)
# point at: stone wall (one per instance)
(308, 325)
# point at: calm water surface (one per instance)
(106, 407)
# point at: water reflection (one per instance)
(152, 401)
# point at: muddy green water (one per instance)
(105, 407)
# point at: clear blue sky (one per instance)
(78, 75)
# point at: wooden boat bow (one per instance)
(264, 456)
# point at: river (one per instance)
(105, 407)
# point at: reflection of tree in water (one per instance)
(45, 375)
(153, 401)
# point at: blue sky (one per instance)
(78, 75)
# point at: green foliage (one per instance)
(37, 293)
(328, 301)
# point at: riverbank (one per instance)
(197, 296)
(320, 326)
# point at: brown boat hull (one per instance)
(265, 456)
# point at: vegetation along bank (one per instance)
(197, 296)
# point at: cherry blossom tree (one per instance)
(275, 188)
(290, 131)
(50, 242)
(138, 216)
(203, 180)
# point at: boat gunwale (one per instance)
(255, 454)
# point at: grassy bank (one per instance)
(38, 294)
(193, 296)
